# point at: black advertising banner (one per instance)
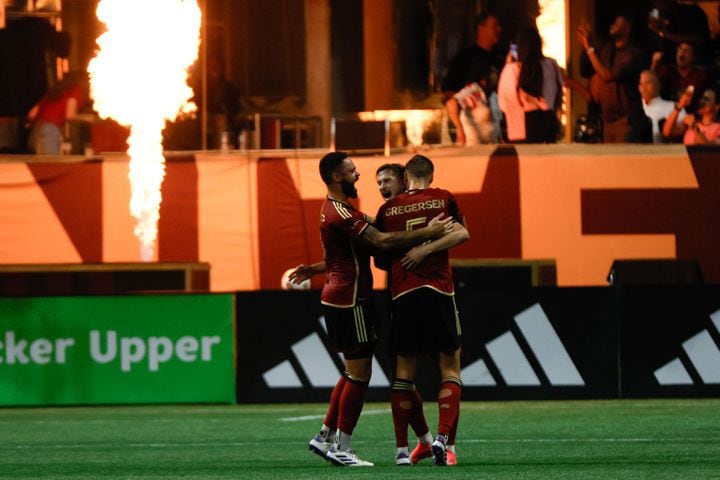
(670, 341)
(523, 343)
(540, 343)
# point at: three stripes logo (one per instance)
(514, 367)
(319, 366)
(704, 356)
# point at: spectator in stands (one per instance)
(674, 23)
(656, 108)
(48, 118)
(530, 91)
(676, 78)
(471, 84)
(700, 129)
(617, 66)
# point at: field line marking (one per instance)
(260, 443)
(320, 417)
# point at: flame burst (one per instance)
(139, 78)
(551, 25)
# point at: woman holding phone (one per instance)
(530, 91)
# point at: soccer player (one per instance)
(347, 237)
(425, 319)
(390, 179)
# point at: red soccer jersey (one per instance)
(348, 279)
(410, 211)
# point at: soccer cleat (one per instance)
(451, 458)
(320, 446)
(347, 458)
(402, 459)
(419, 452)
(439, 450)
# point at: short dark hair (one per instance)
(690, 43)
(419, 166)
(396, 168)
(329, 165)
(482, 17)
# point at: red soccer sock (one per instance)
(402, 403)
(449, 405)
(417, 420)
(331, 418)
(453, 430)
(351, 404)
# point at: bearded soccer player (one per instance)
(390, 179)
(346, 300)
(425, 318)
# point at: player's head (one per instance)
(390, 179)
(420, 167)
(338, 168)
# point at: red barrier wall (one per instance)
(254, 216)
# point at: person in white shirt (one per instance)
(656, 108)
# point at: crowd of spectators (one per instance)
(658, 87)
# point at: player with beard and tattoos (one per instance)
(347, 237)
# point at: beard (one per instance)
(348, 188)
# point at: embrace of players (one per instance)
(410, 236)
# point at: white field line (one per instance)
(96, 445)
(320, 417)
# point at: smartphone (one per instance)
(655, 13)
(514, 51)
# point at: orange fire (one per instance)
(551, 25)
(139, 78)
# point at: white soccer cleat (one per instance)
(320, 446)
(347, 458)
(439, 450)
(402, 459)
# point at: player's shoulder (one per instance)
(438, 192)
(334, 210)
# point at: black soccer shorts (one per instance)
(425, 321)
(352, 331)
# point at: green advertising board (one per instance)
(119, 349)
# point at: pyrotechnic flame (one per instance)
(139, 78)
(551, 25)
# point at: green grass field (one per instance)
(649, 439)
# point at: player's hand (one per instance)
(301, 273)
(439, 226)
(414, 257)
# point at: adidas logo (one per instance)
(514, 366)
(704, 356)
(317, 364)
